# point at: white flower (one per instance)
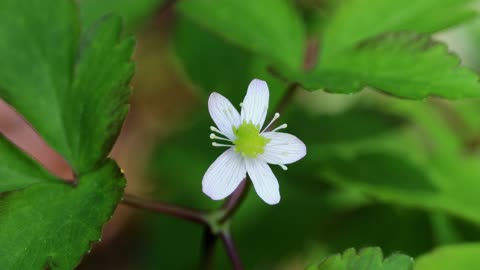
(250, 147)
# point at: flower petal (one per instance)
(263, 179)
(224, 175)
(255, 104)
(223, 114)
(283, 148)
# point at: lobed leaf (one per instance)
(402, 64)
(51, 225)
(386, 45)
(357, 20)
(72, 88)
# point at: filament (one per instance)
(221, 144)
(275, 117)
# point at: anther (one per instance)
(280, 127)
(214, 129)
(283, 167)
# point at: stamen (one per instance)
(275, 117)
(221, 145)
(280, 127)
(215, 137)
(214, 129)
(283, 167)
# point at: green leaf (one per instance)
(366, 259)
(357, 20)
(397, 179)
(214, 58)
(460, 256)
(132, 12)
(18, 170)
(402, 64)
(51, 225)
(270, 28)
(393, 52)
(233, 67)
(71, 88)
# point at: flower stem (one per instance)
(286, 99)
(235, 200)
(167, 5)
(196, 216)
(208, 249)
(231, 250)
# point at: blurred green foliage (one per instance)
(133, 12)
(380, 171)
(461, 256)
(270, 28)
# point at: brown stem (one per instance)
(167, 5)
(196, 216)
(208, 250)
(311, 54)
(286, 99)
(231, 250)
(235, 200)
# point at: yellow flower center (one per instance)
(248, 140)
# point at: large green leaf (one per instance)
(402, 64)
(17, 170)
(51, 225)
(386, 45)
(229, 63)
(72, 88)
(357, 20)
(366, 259)
(395, 178)
(270, 28)
(461, 256)
(131, 11)
(233, 67)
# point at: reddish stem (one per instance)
(196, 216)
(231, 250)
